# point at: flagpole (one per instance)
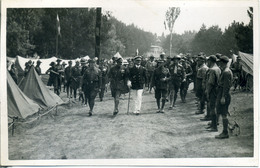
(57, 42)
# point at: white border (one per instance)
(128, 162)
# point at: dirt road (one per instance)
(177, 133)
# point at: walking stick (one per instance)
(128, 102)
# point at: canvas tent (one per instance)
(247, 62)
(35, 89)
(19, 105)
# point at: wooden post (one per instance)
(98, 26)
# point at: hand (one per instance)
(184, 80)
(222, 101)
(129, 84)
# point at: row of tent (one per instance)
(30, 96)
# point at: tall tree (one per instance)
(171, 15)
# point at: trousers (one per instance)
(137, 97)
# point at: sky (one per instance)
(191, 18)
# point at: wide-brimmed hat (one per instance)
(39, 61)
(177, 57)
(91, 61)
(151, 56)
(201, 58)
(64, 63)
(224, 59)
(70, 62)
(212, 58)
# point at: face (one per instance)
(119, 62)
(176, 61)
(91, 65)
(138, 62)
(222, 65)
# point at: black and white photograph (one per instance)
(129, 83)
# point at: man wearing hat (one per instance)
(60, 71)
(75, 78)
(212, 78)
(91, 82)
(118, 76)
(150, 67)
(223, 95)
(63, 65)
(27, 67)
(137, 76)
(38, 68)
(200, 91)
(162, 56)
(67, 77)
(237, 70)
(160, 80)
(185, 83)
(177, 73)
(53, 79)
(104, 71)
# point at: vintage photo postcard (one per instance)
(129, 83)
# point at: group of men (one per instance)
(166, 76)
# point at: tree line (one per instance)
(34, 30)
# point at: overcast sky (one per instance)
(191, 18)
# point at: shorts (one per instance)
(160, 93)
(115, 93)
(174, 85)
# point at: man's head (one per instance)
(91, 63)
(52, 64)
(212, 60)
(223, 61)
(70, 63)
(64, 64)
(138, 60)
(119, 61)
(58, 61)
(162, 55)
(77, 63)
(176, 59)
(160, 62)
(39, 62)
(201, 60)
(152, 58)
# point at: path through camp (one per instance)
(177, 133)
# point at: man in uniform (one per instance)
(104, 71)
(177, 73)
(118, 76)
(91, 82)
(185, 83)
(236, 70)
(223, 96)
(160, 80)
(213, 75)
(60, 71)
(150, 67)
(53, 79)
(62, 76)
(200, 91)
(75, 78)
(137, 76)
(38, 68)
(67, 76)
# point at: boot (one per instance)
(213, 126)
(224, 134)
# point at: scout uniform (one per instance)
(160, 79)
(91, 84)
(223, 96)
(177, 73)
(38, 68)
(185, 84)
(104, 71)
(67, 76)
(118, 76)
(150, 67)
(75, 78)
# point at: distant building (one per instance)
(155, 51)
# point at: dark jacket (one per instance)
(137, 76)
(118, 76)
(159, 75)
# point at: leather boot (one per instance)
(224, 134)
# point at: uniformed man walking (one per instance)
(104, 71)
(137, 76)
(177, 73)
(75, 79)
(223, 96)
(150, 67)
(160, 80)
(237, 70)
(185, 83)
(118, 76)
(91, 82)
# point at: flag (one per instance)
(137, 52)
(58, 25)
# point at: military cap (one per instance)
(224, 59)
(138, 58)
(163, 53)
(177, 57)
(213, 58)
